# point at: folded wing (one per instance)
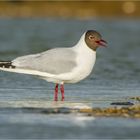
(54, 61)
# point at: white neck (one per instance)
(86, 58)
(81, 46)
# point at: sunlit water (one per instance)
(115, 77)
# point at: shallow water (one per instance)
(115, 78)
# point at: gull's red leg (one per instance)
(56, 93)
(62, 92)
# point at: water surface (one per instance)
(115, 78)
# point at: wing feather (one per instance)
(54, 61)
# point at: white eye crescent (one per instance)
(91, 37)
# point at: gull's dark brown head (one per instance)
(94, 40)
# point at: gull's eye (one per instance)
(91, 37)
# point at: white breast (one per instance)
(85, 60)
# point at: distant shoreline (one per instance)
(70, 9)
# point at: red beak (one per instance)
(102, 43)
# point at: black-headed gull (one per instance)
(60, 65)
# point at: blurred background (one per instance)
(69, 9)
(28, 27)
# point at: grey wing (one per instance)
(54, 61)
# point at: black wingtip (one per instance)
(6, 64)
